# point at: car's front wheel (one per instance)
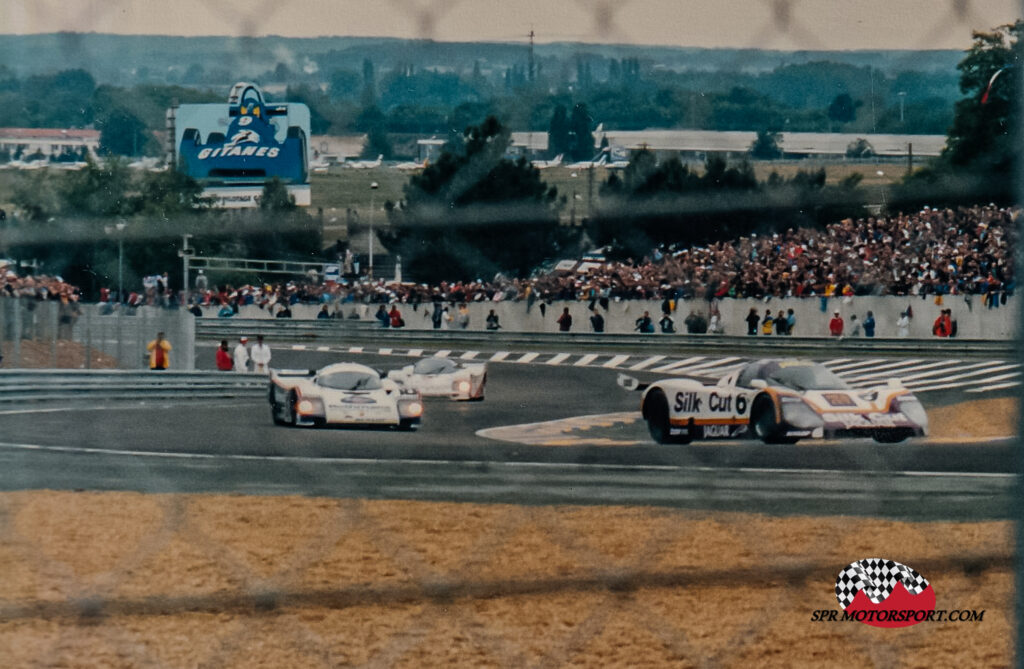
(764, 425)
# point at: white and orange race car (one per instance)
(345, 393)
(778, 401)
(443, 377)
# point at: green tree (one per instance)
(766, 145)
(276, 197)
(122, 133)
(99, 190)
(559, 142)
(581, 138)
(842, 109)
(979, 161)
(472, 214)
(981, 136)
(369, 95)
(168, 194)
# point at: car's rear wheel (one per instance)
(658, 422)
(764, 425)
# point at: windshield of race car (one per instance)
(349, 381)
(803, 377)
(434, 366)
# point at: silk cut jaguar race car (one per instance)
(778, 402)
(342, 394)
(441, 377)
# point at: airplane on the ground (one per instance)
(544, 164)
(412, 165)
(600, 160)
(144, 164)
(363, 164)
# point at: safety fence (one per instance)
(247, 545)
(51, 334)
(100, 385)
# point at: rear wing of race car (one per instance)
(631, 383)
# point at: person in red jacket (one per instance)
(943, 325)
(565, 321)
(835, 326)
(224, 361)
(396, 317)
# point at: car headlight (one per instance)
(461, 386)
(410, 408)
(310, 406)
(795, 412)
(912, 408)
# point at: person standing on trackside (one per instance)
(395, 317)
(260, 356)
(596, 320)
(767, 323)
(644, 324)
(835, 326)
(492, 321)
(869, 325)
(565, 321)
(854, 326)
(159, 350)
(752, 320)
(790, 322)
(241, 355)
(903, 325)
(224, 360)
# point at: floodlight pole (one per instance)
(184, 268)
(373, 193)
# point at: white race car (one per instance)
(778, 401)
(441, 377)
(344, 393)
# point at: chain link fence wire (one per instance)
(155, 579)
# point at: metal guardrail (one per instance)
(359, 332)
(19, 385)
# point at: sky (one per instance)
(775, 24)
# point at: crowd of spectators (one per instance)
(39, 287)
(930, 252)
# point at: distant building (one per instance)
(700, 144)
(429, 150)
(51, 142)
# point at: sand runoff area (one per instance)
(132, 580)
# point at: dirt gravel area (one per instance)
(183, 581)
(978, 419)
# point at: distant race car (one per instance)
(778, 402)
(441, 377)
(344, 393)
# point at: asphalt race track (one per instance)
(232, 446)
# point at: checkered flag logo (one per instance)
(876, 577)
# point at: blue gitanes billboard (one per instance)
(233, 149)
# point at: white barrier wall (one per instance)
(974, 320)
